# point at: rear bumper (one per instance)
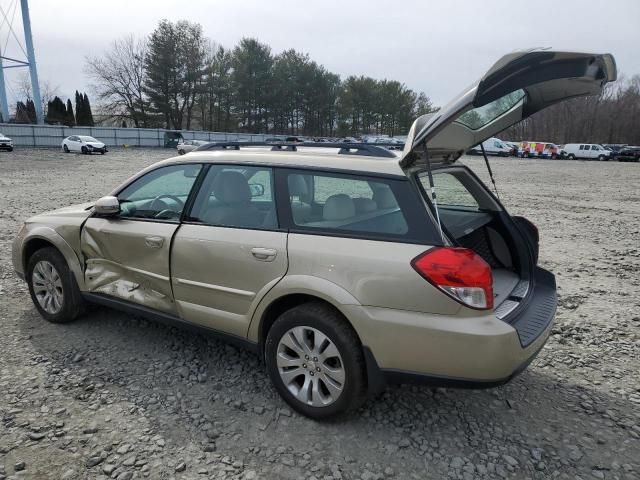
(465, 350)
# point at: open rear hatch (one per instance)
(515, 87)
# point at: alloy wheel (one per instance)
(310, 366)
(47, 287)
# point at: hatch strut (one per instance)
(433, 190)
(486, 161)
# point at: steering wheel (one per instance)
(154, 203)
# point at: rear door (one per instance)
(230, 249)
(517, 86)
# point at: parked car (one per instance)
(187, 146)
(333, 267)
(587, 151)
(629, 153)
(83, 144)
(6, 143)
(492, 146)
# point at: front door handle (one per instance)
(154, 242)
(264, 254)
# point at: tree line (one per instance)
(57, 112)
(611, 117)
(177, 78)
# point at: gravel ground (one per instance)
(112, 396)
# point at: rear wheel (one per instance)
(315, 361)
(53, 287)
(65, 148)
(181, 152)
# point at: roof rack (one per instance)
(361, 149)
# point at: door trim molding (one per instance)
(218, 288)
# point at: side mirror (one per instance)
(257, 190)
(107, 206)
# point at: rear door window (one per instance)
(354, 205)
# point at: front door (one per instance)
(229, 251)
(127, 255)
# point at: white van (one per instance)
(493, 146)
(589, 151)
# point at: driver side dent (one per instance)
(118, 267)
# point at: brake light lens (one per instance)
(460, 273)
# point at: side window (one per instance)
(160, 194)
(345, 203)
(236, 196)
(449, 190)
(581, 147)
(595, 147)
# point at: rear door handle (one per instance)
(264, 254)
(154, 242)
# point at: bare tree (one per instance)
(47, 91)
(118, 78)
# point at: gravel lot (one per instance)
(112, 396)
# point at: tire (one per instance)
(601, 158)
(347, 368)
(102, 152)
(69, 304)
(84, 150)
(181, 152)
(571, 156)
(65, 148)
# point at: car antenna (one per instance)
(433, 189)
(486, 161)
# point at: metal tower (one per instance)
(14, 63)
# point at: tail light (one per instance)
(458, 272)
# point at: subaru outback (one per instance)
(343, 266)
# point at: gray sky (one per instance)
(438, 47)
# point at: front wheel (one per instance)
(84, 150)
(52, 286)
(602, 158)
(181, 152)
(571, 156)
(65, 148)
(315, 361)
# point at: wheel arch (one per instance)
(43, 237)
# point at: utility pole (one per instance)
(4, 106)
(8, 62)
(31, 58)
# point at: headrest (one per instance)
(338, 207)
(365, 205)
(385, 198)
(297, 185)
(231, 187)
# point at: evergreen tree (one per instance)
(70, 119)
(56, 112)
(86, 111)
(80, 111)
(31, 111)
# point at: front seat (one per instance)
(300, 210)
(233, 207)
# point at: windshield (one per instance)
(85, 138)
(481, 116)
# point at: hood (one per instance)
(79, 211)
(515, 87)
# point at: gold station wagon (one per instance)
(344, 266)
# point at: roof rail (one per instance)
(362, 149)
